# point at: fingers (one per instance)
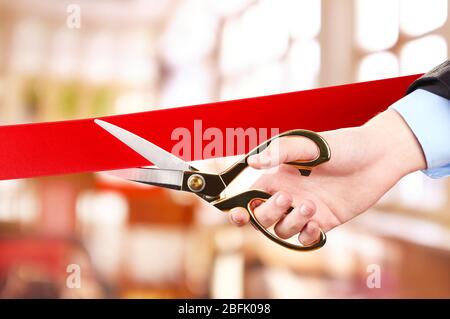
(273, 209)
(310, 234)
(267, 214)
(294, 222)
(283, 150)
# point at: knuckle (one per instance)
(263, 216)
(309, 231)
(295, 226)
(265, 221)
(313, 227)
(307, 212)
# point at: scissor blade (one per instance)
(153, 176)
(146, 149)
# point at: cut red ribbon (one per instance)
(29, 150)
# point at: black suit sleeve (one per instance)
(436, 81)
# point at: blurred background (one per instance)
(130, 241)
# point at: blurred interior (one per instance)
(132, 241)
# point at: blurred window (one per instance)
(399, 37)
(432, 13)
(377, 24)
(381, 64)
(29, 41)
(423, 54)
(18, 202)
(271, 49)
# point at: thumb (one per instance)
(283, 150)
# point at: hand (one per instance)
(365, 163)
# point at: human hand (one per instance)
(365, 163)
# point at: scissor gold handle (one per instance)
(304, 167)
(245, 200)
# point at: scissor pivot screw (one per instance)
(196, 183)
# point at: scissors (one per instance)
(174, 173)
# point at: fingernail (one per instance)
(282, 200)
(305, 242)
(236, 219)
(305, 210)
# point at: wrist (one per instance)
(394, 143)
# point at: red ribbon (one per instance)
(51, 148)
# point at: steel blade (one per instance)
(146, 149)
(153, 176)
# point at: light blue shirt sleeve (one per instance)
(428, 116)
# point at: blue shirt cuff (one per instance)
(428, 116)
